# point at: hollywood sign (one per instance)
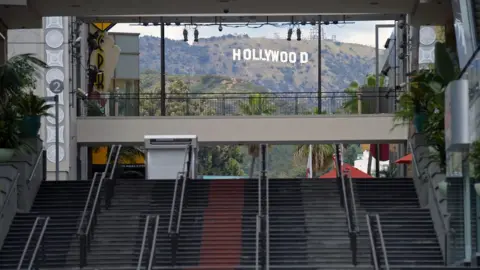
(269, 56)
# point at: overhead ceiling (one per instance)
(170, 7)
(140, 11)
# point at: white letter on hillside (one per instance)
(292, 57)
(303, 57)
(247, 54)
(255, 56)
(236, 54)
(274, 55)
(283, 57)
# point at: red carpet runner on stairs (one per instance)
(222, 225)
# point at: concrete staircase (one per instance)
(327, 226)
(213, 232)
(119, 231)
(288, 231)
(408, 231)
(63, 202)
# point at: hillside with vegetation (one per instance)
(342, 63)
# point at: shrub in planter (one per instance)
(474, 158)
(9, 133)
(31, 108)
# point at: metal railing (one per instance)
(86, 234)
(443, 217)
(112, 179)
(257, 242)
(231, 104)
(11, 191)
(176, 209)
(35, 166)
(42, 223)
(347, 201)
(149, 239)
(354, 229)
(375, 234)
(267, 224)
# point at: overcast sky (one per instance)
(358, 32)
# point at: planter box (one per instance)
(29, 181)
(8, 190)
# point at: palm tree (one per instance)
(257, 104)
(322, 154)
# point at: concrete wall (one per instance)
(234, 130)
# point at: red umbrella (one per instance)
(405, 160)
(354, 172)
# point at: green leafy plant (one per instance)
(354, 92)
(427, 97)
(9, 128)
(474, 158)
(17, 74)
(30, 104)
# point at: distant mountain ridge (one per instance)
(342, 63)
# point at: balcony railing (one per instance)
(235, 104)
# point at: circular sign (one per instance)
(56, 86)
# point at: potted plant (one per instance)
(31, 108)
(9, 133)
(474, 157)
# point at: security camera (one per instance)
(226, 10)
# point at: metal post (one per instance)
(264, 161)
(319, 87)
(163, 95)
(57, 140)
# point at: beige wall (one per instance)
(227, 130)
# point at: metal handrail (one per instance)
(11, 191)
(186, 169)
(174, 202)
(373, 248)
(111, 180)
(257, 242)
(175, 193)
(85, 208)
(27, 245)
(354, 205)
(154, 243)
(180, 208)
(37, 161)
(345, 201)
(144, 239)
(267, 224)
(95, 205)
(259, 195)
(382, 242)
(115, 162)
(86, 235)
(39, 243)
(37, 246)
